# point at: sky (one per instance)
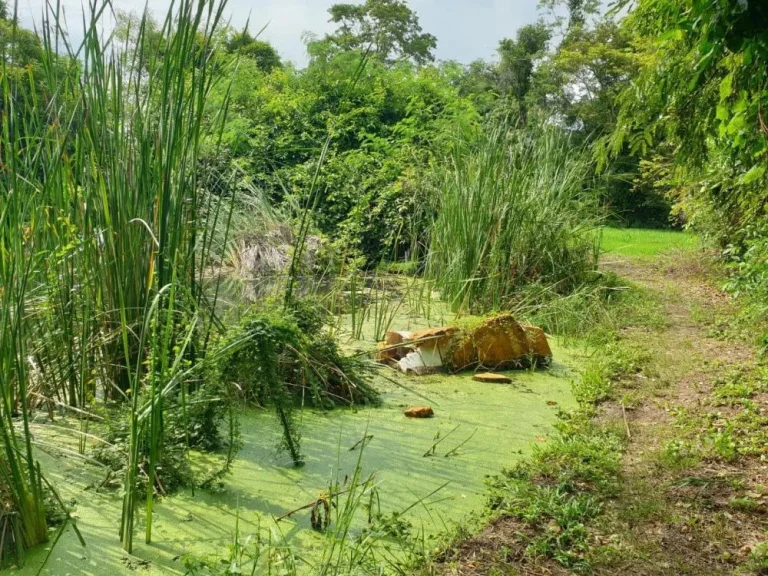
(466, 29)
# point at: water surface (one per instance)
(503, 421)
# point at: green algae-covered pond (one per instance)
(495, 423)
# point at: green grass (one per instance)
(565, 484)
(644, 243)
(512, 212)
(560, 492)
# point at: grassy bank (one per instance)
(643, 243)
(659, 469)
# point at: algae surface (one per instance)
(499, 423)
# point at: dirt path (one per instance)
(689, 506)
(694, 482)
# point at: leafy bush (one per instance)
(385, 124)
(288, 349)
(749, 279)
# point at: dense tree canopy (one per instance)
(19, 46)
(386, 126)
(701, 91)
(629, 84)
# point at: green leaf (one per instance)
(741, 105)
(755, 173)
(747, 56)
(726, 87)
(674, 34)
(737, 123)
(723, 113)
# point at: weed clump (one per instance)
(513, 211)
(282, 358)
(559, 490)
(172, 469)
(273, 358)
(565, 484)
(275, 354)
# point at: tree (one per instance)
(478, 81)
(701, 90)
(3, 10)
(389, 29)
(577, 85)
(518, 61)
(266, 57)
(592, 66)
(19, 47)
(583, 78)
(577, 17)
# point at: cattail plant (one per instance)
(513, 210)
(137, 163)
(20, 477)
(104, 285)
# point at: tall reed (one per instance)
(20, 477)
(513, 209)
(140, 146)
(101, 172)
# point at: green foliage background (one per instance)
(387, 126)
(696, 114)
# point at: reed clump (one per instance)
(512, 210)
